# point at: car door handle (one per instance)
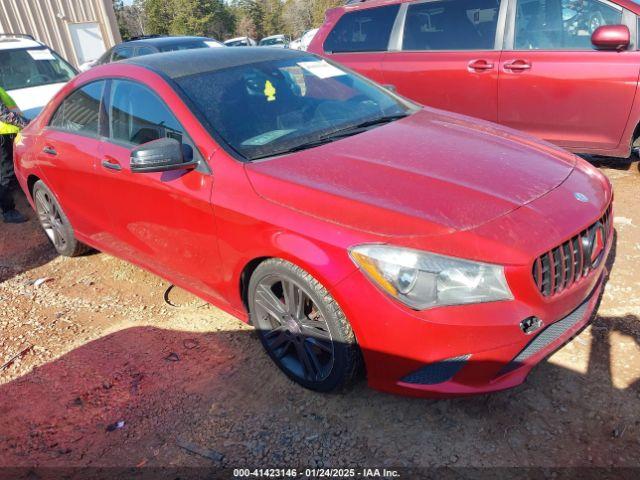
(111, 164)
(480, 65)
(49, 151)
(518, 66)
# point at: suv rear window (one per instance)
(363, 30)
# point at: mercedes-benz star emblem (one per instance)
(593, 245)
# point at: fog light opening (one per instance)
(530, 325)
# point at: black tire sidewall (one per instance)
(341, 344)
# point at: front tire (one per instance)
(55, 223)
(302, 328)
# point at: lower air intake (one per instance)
(438, 372)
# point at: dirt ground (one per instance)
(97, 345)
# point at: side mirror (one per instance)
(162, 155)
(611, 37)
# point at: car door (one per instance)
(68, 153)
(446, 55)
(359, 39)
(555, 85)
(163, 221)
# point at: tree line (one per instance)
(221, 19)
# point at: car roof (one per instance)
(280, 35)
(14, 43)
(164, 41)
(192, 62)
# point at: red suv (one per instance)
(342, 221)
(562, 70)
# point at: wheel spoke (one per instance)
(42, 202)
(293, 298)
(44, 221)
(320, 344)
(270, 303)
(276, 337)
(305, 360)
(315, 329)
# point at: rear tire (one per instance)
(302, 327)
(55, 223)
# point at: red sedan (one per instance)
(344, 222)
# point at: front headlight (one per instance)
(422, 280)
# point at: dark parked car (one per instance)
(149, 45)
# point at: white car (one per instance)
(240, 42)
(276, 41)
(304, 41)
(30, 72)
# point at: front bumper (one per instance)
(462, 350)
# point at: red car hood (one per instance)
(427, 174)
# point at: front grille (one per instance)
(561, 267)
(549, 335)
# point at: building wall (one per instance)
(47, 21)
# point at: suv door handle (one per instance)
(111, 164)
(49, 151)
(518, 66)
(480, 65)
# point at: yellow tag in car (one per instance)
(270, 91)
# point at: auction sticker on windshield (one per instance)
(41, 54)
(322, 69)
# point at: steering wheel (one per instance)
(39, 78)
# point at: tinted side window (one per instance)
(122, 54)
(81, 111)
(451, 25)
(363, 31)
(137, 115)
(561, 24)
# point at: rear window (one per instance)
(363, 31)
(191, 45)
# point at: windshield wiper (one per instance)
(335, 135)
(355, 129)
(297, 148)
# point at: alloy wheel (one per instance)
(50, 219)
(293, 328)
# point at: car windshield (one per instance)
(237, 43)
(190, 45)
(32, 67)
(276, 107)
(265, 42)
